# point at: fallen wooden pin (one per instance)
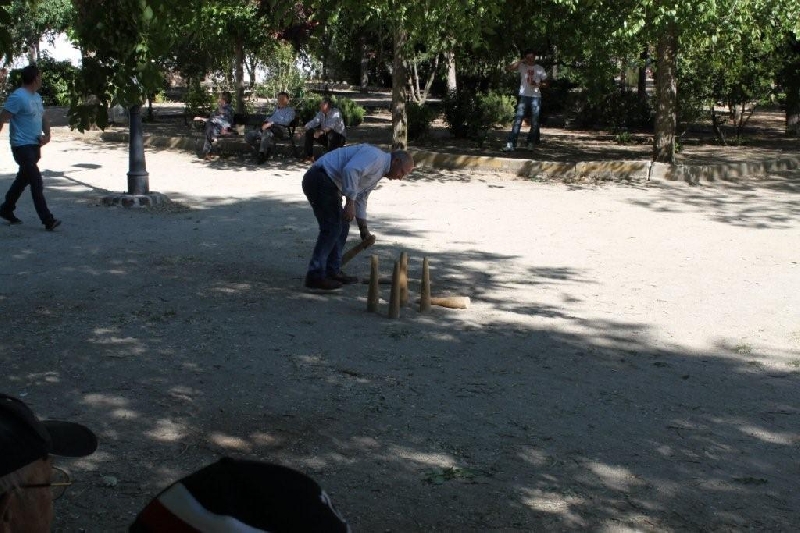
(358, 248)
(381, 281)
(451, 302)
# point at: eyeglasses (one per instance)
(59, 481)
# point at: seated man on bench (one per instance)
(219, 123)
(276, 126)
(326, 128)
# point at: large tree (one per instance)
(428, 26)
(673, 26)
(35, 20)
(124, 43)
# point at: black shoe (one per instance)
(343, 278)
(325, 284)
(53, 224)
(9, 216)
(262, 158)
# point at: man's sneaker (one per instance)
(343, 278)
(325, 284)
(9, 216)
(507, 148)
(53, 224)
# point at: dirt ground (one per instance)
(630, 360)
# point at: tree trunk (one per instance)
(399, 92)
(251, 67)
(793, 109)
(452, 81)
(238, 75)
(554, 67)
(666, 96)
(642, 85)
(791, 83)
(364, 78)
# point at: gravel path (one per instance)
(631, 359)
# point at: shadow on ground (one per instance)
(758, 203)
(183, 335)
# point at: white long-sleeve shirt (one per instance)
(332, 120)
(356, 171)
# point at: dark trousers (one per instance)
(27, 158)
(265, 140)
(330, 140)
(527, 105)
(326, 201)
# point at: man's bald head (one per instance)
(401, 166)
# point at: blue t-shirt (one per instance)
(26, 122)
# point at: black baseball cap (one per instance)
(241, 495)
(25, 439)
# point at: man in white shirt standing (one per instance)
(532, 78)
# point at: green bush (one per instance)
(458, 105)
(472, 115)
(57, 77)
(352, 113)
(419, 119)
(618, 110)
(198, 101)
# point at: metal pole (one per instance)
(138, 178)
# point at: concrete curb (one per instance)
(641, 170)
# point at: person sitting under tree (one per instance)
(220, 122)
(277, 125)
(326, 128)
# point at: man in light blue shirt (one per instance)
(353, 172)
(30, 130)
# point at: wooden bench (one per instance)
(244, 122)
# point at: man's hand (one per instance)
(265, 126)
(44, 139)
(362, 229)
(349, 210)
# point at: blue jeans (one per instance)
(27, 157)
(326, 201)
(525, 103)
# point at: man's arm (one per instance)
(514, 66)
(362, 228)
(45, 138)
(314, 122)
(5, 116)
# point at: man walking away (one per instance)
(30, 130)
